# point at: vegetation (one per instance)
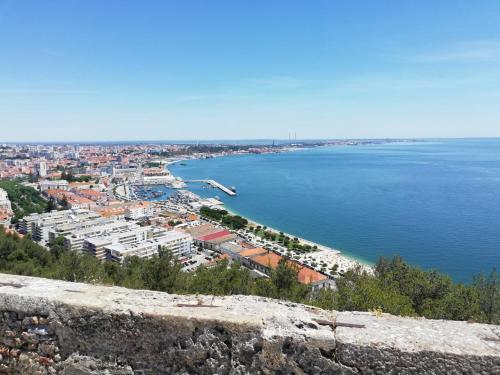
(401, 289)
(173, 223)
(195, 149)
(232, 221)
(282, 239)
(68, 176)
(395, 287)
(24, 199)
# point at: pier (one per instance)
(215, 184)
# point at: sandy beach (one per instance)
(324, 256)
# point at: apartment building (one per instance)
(75, 233)
(53, 185)
(40, 225)
(66, 229)
(4, 200)
(139, 210)
(95, 246)
(129, 234)
(41, 169)
(179, 243)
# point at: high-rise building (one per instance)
(41, 169)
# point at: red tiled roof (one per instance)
(304, 275)
(214, 236)
(308, 276)
(252, 252)
(268, 260)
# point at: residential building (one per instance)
(4, 200)
(76, 201)
(139, 210)
(53, 184)
(41, 169)
(96, 245)
(65, 229)
(91, 194)
(179, 243)
(39, 225)
(210, 237)
(265, 261)
(129, 234)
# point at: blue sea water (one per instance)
(436, 203)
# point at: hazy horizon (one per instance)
(239, 141)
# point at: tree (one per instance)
(395, 287)
(80, 268)
(334, 269)
(64, 203)
(57, 246)
(51, 205)
(358, 291)
(25, 200)
(162, 272)
(221, 279)
(488, 289)
(32, 178)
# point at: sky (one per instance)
(93, 70)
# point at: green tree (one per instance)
(488, 289)
(25, 200)
(64, 203)
(51, 205)
(221, 279)
(57, 247)
(359, 291)
(162, 272)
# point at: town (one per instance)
(98, 200)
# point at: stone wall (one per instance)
(54, 327)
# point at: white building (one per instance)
(53, 184)
(5, 209)
(179, 243)
(96, 246)
(121, 172)
(4, 200)
(139, 210)
(120, 232)
(40, 225)
(157, 179)
(63, 230)
(41, 169)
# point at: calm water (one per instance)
(435, 203)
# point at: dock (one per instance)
(217, 185)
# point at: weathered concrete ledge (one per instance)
(55, 327)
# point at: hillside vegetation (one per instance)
(24, 199)
(396, 287)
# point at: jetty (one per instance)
(217, 185)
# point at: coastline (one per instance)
(324, 253)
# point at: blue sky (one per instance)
(122, 70)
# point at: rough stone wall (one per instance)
(53, 327)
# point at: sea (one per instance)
(434, 202)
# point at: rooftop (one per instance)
(253, 252)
